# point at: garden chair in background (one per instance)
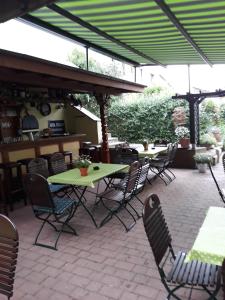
(159, 165)
(124, 156)
(115, 199)
(9, 245)
(194, 274)
(48, 208)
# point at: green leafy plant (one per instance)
(83, 161)
(182, 132)
(207, 139)
(202, 158)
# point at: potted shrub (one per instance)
(207, 140)
(202, 160)
(82, 163)
(182, 134)
(216, 133)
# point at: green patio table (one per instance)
(73, 178)
(209, 246)
(151, 152)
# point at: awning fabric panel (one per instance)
(145, 27)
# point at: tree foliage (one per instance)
(78, 58)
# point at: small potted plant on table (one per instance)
(182, 133)
(145, 144)
(82, 163)
(202, 160)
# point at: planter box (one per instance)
(184, 157)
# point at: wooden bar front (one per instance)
(31, 149)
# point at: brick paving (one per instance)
(108, 263)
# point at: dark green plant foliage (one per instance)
(149, 118)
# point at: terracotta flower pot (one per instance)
(185, 143)
(83, 171)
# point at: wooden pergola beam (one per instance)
(194, 100)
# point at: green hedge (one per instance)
(146, 118)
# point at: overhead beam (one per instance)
(28, 79)
(165, 8)
(188, 96)
(16, 8)
(33, 21)
(76, 19)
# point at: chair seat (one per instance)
(61, 204)
(54, 188)
(114, 195)
(158, 163)
(193, 272)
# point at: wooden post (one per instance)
(192, 123)
(102, 100)
(87, 59)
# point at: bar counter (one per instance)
(31, 149)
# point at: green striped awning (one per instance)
(144, 31)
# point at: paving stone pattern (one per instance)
(108, 263)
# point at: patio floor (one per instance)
(108, 263)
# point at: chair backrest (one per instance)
(115, 155)
(9, 244)
(128, 155)
(172, 152)
(132, 178)
(144, 170)
(156, 228)
(57, 163)
(38, 166)
(216, 183)
(37, 190)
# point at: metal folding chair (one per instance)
(121, 197)
(40, 166)
(47, 208)
(9, 244)
(194, 274)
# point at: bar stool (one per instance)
(97, 154)
(25, 162)
(13, 184)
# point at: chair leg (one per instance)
(64, 223)
(138, 216)
(114, 213)
(174, 177)
(158, 173)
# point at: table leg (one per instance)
(80, 201)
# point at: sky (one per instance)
(20, 37)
